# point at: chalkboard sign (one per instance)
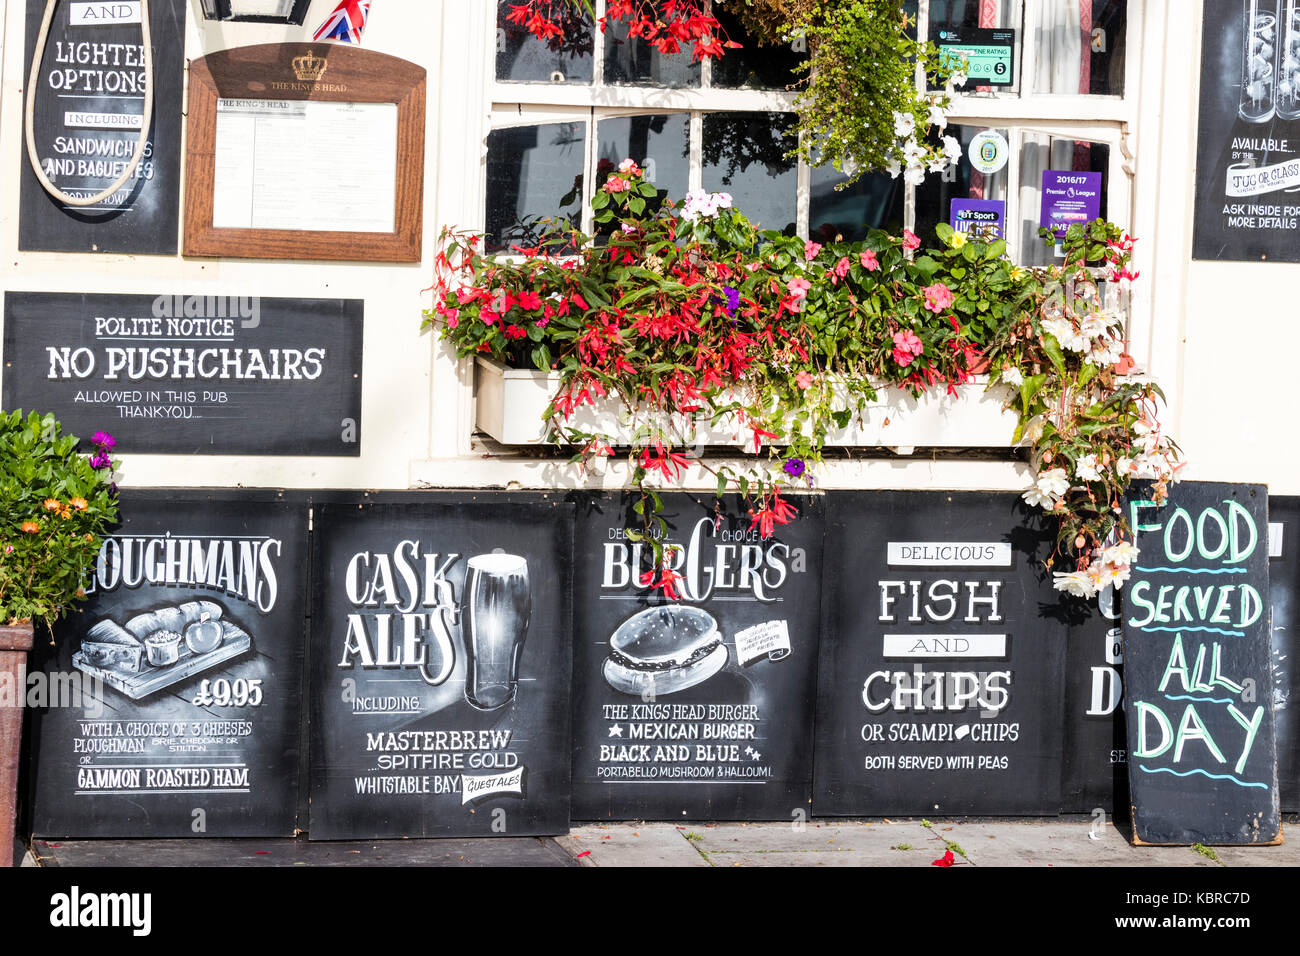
(940, 684)
(190, 374)
(1094, 751)
(1248, 135)
(1198, 701)
(89, 97)
(440, 668)
(1284, 604)
(170, 703)
(695, 704)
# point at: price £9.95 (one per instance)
(227, 693)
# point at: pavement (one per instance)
(1054, 842)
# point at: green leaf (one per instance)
(600, 200)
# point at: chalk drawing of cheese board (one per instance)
(160, 647)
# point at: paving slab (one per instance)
(504, 851)
(630, 844)
(1287, 854)
(1055, 843)
(866, 843)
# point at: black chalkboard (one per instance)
(172, 698)
(1198, 698)
(92, 77)
(699, 705)
(1284, 603)
(176, 374)
(1094, 752)
(440, 667)
(940, 684)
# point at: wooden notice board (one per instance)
(1202, 750)
(305, 151)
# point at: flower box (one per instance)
(510, 404)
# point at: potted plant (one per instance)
(54, 505)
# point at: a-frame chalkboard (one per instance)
(1198, 684)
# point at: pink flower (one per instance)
(529, 300)
(804, 380)
(911, 240)
(869, 261)
(937, 297)
(616, 185)
(906, 347)
(489, 315)
(810, 250)
(842, 267)
(798, 287)
(629, 167)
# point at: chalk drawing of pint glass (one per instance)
(495, 609)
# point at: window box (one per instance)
(510, 404)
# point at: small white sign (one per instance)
(107, 12)
(945, 645)
(1275, 529)
(475, 787)
(74, 119)
(770, 640)
(942, 554)
(988, 151)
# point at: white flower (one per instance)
(904, 124)
(952, 148)
(1054, 482)
(1125, 552)
(1086, 468)
(1112, 574)
(937, 117)
(894, 168)
(1013, 377)
(1079, 583)
(915, 175)
(1124, 466)
(913, 152)
(1062, 330)
(1035, 498)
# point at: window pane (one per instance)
(965, 22)
(873, 202)
(1080, 46)
(1042, 153)
(524, 58)
(660, 144)
(754, 66)
(633, 60)
(534, 173)
(935, 196)
(744, 154)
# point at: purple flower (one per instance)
(100, 460)
(794, 467)
(733, 299)
(103, 441)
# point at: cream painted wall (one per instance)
(418, 403)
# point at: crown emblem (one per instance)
(309, 66)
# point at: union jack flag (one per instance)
(345, 23)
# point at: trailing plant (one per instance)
(54, 505)
(1092, 430)
(859, 107)
(688, 316)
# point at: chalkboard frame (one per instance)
(354, 76)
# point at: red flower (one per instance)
(665, 578)
(529, 300)
(946, 860)
(515, 332)
(664, 460)
(773, 510)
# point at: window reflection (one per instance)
(534, 174)
(1039, 153)
(745, 155)
(934, 197)
(521, 57)
(769, 67)
(874, 201)
(633, 60)
(1080, 46)
(659, 143)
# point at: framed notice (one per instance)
(305, 152)
(169, 703)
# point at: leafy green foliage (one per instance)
(53, 507)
